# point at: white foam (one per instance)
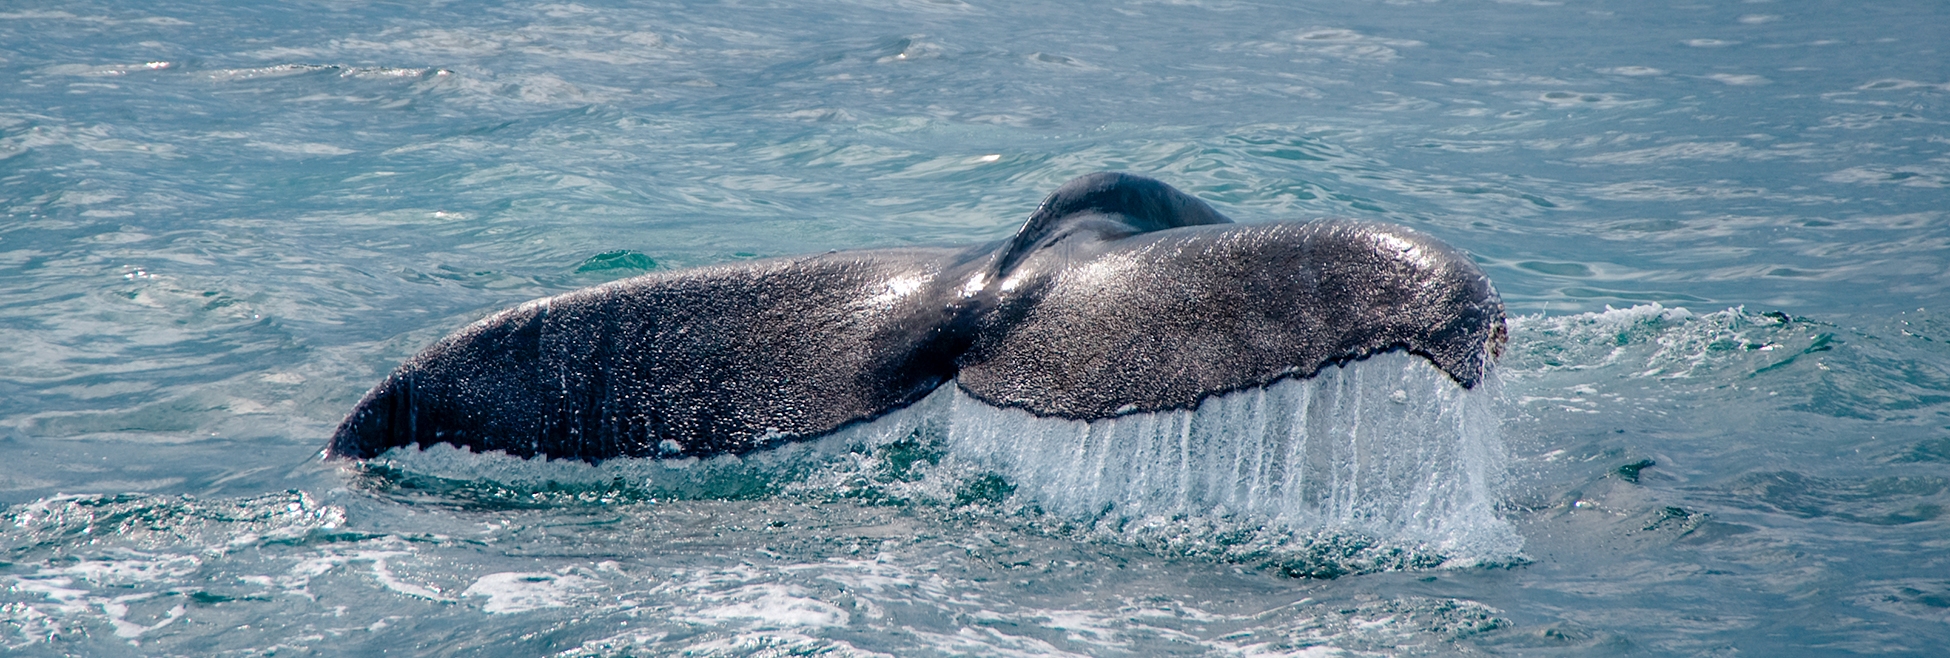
(104, 580)
(118, 608)
(512, 592)
(756, 643)
(383, 573)
(770, 606)
(986, 641)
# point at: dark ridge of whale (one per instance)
(1119, 295)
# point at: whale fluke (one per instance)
(1162, 320)
(1119, 295)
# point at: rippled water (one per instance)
(1723, 424)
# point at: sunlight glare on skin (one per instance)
(897, 288)
(975, 285)
(1407, 249)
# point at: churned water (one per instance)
(1722, 425)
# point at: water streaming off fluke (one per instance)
(1385, 452)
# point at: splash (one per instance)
(1659, 341)
(1388, 448)
(1374, 465)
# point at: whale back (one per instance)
(1120, 294)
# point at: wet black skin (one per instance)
(1119, 295)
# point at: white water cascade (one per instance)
(1388, 448)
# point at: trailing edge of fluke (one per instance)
(1119, 295)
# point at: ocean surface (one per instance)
(1722, 426)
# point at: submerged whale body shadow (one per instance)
(1120, 295)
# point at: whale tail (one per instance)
(1162, 320)
(1119, 295)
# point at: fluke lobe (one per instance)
(1119, 295)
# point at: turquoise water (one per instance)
(1723, 424)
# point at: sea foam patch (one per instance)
(513, 591)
